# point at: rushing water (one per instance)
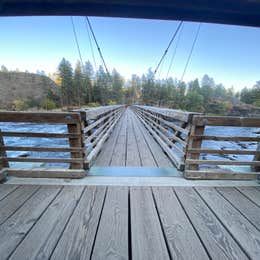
(63, 142)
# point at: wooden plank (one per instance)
(182, 240)
(39, 135)
(3, 162)
(160, 157)
(176, 160)
(40, 159)
(93, 154)
(146, 234)
(119, 154)
(76, 142)
(226, 138)
(220, 174)
(44, 149)
(6, 189)
(132, 151)
(226, 121)
(40, 117)
(13, 231)
(219, 162)
(112, 236)
(219, 151)
(243, 204)
(46, 173)
(251, 193)
(43, 237)
(15, 200)
(217, 240)
(146, 155)
(78, 238)
(106, 153)
(244, 232)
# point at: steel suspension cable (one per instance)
(174, 52)
(191, 51)
(169, 45)
(91, 46)
(99, 50)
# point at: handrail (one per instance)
(201, 168)
(170, 128)
(87, 130)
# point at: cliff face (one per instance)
(21, 85)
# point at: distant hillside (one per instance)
(24, 86)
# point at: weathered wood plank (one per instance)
(119, 155)
(241, 203)
(226, 121)
(78, 238)
(215, 237)
(226, 138)
(219, 162)
(106, 153)
(15, 200)
(251, 193)
(6, 189)
(146, 155)
(182, 240)
(18, 225)
(132, 151)
(219, 151)
(161, 159)
(245, 233)
(39, 135)
(43, 237)
(146, 234)
(46, 173)
(112, 236)
(40, 117)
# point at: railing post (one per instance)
(77, 142)
(193, 143)
(3, 162)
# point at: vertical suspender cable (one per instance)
(192, 48)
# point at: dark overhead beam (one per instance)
(238, 12)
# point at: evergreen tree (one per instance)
(65, 73)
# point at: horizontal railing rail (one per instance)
(99, 124)
(170, 128)
(203, 160)
(76, 145)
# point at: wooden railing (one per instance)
(99, 123)
(86, 131)
(203, 168)
(170, 128)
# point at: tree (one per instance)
(194, 102)
(65, 73)
(4, 69)
(78, 85)
(117, 87)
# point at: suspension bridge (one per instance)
(72, 207)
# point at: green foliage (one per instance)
(48, 104)
(194, 102)
(20, 104)
(93, 104)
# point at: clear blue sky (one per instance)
(230, 54)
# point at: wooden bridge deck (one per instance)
(99, 222)
(130, 144)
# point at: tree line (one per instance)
(84, 86)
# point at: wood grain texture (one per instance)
(252, 193)
(112, 236)
(146, 234)
(243, 204)
(6, 189)
(245, 233)
(106, 153)
(18, 225)
(42, 239)
(78, 238)
(15, 200)
(132, 151)
(182, 240)
(219, 243)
